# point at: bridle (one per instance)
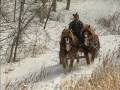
(90, 44)
(67, 44)
(69, 41)
(86, 36)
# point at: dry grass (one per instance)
(105, 77)
(111, 22)
(26, 82)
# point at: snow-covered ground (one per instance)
(44, 71)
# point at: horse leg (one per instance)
(87, 58)
(60, 57)
(64, 63)
(71, 63)
(93, 56)
(60, 60)
(77, 57)
(77, 60)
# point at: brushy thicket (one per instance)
(111, 22)
(31, 41)
(105, 77)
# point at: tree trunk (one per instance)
(54, 5)
(11, 51)
(0, 14)
(23, 5)
(59, 0)
(36, 1)
(19, 30)
(0, 10)
(68, 4)
(48, 16)
(15, 43)
(14, 11)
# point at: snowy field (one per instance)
(44, 71)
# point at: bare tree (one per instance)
(48, 15)
(42, 10)
(36, 1)
(54, 5)
(16, 39)
(14, 11)
(59, 0)
(68, 4)
(0, 13)
(0, 9)
(23, 5)
(19, 29)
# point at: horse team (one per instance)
(69, 47)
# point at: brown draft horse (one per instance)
(92, 42)
(69, 47)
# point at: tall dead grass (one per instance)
(105, 77)
(111, 22)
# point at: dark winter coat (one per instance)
(77, 28)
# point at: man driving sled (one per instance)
(76, 26)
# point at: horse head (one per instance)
(88, 34)
(68, 38)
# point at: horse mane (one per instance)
(70, 34)
(88, 28)
(74, 38)
(93, 35)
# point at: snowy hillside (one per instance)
(44, 71)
